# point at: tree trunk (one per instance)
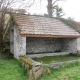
(1, 27)
(1, 38)
(49, 8)
(1, 34)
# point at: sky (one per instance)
(70, 8)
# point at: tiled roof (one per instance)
(43, 26)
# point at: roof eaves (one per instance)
(52, 36)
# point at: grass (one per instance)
(53, 59)
(71, 73)
(11, 70)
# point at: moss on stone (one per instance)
(25, 60)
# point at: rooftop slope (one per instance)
(37, 26)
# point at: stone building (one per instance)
(36, 34)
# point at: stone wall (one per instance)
(17, 43)
(69, 45)
(37, 45)
(12, 40)
(63, 64)
(78, 45)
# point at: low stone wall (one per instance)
(35, 69)
(47, 54)
(78, 52)
(39, 69)
(59, 64)
(35, 65)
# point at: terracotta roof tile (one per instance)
(43, 26)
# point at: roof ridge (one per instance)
(33, 15)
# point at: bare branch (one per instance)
(7, 5)
(57, 1)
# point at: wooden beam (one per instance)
(52, 36)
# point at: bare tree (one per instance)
(49, 8)
(5, 5)
(52, 7)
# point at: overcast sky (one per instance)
(71, 8)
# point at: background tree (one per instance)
(53, 7)
(50, 8)
(74, 23)
(59, 11)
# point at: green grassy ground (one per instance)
(72, 73)
(57, 59)
(12, 70)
